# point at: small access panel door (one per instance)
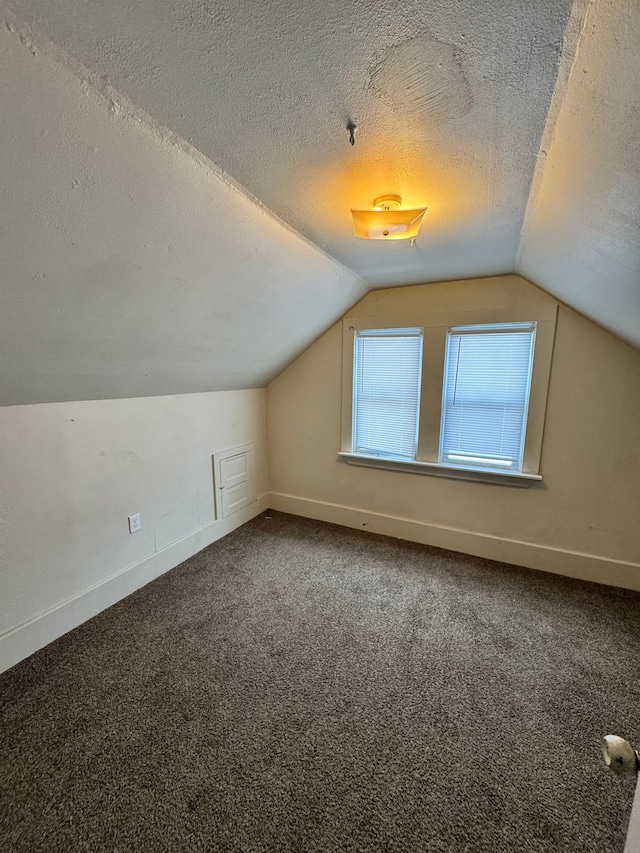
(234, 479)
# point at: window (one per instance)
(465, 401)
(386, 392)
(485, 395)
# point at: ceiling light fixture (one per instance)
(387, 221)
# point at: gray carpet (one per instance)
(298, 686)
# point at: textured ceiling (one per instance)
(515, 123)
(450, 99)
(581, 238)
(129, 265)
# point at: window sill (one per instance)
(502, 478)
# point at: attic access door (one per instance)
(234, 479)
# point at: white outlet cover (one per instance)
(135, 523)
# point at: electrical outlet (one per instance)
(134, 523)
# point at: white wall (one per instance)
(130, 266)
(71, 473)
(582, 520)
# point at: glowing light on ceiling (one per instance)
(387, 221)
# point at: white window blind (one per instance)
(386, 396)
(486, 395)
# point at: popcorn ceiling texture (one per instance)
(132, 266)
(581, 239)
(301, 687)
(162, 161)
(265, 91)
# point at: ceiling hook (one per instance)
(351, 127)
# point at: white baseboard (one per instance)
(574, 564)
(25, 639)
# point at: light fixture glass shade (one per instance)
(387, 224)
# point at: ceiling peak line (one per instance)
(100, 91)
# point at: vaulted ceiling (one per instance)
(180, 177)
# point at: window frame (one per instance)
(488, 329)
(385, 334)
(435, 329)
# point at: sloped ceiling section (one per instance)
(581, 239)
(130, 265)
(450, 99)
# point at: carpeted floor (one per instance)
(298, 686)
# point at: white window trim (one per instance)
(417, 334)
(439, 469)
(433, 354)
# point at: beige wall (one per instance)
(71, 473)
(581, 520)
